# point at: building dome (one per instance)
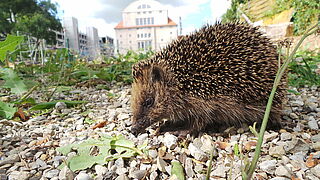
(143, 5)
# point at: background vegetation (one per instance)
(25, 15)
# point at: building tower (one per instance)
(145, 25)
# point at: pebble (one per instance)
(276, 151)
(82, 176)
(268, 166)
(36, 140)
(197, 153)
(170, 141)
(283, 171)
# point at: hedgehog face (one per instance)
(149, 101)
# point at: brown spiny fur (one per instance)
(217, 77)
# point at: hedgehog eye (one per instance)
(149, 102)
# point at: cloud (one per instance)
(106, 14)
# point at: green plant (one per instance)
(248, 173)
(8, 47)
(306, 12)
(302, 70)
(100, 151)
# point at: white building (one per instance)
(145, 25)
(86, 44)
(70, 25)
(93, 42)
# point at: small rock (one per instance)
(300, 146)
(60, 105)
(285, 136)
(313, 124)
(297, 103)
(277, 151)
(315, 138)
(66, 174)
(139, 174)
(122, 177)
(119, 163)
(82, 176)
(198, 168)
(100, 170)
(316, 146)
(153, 175)
(161, 164)
(121, 171)
(51, 173)
(169, 140)
(123, 116)
(197, 153)
(299, 156)
(10, 159)
(188, 167)
(19, 175)
(220, 171)
(153, 153)
(268, 166)
(283, 171)
(270, 136)
(293, 116)
(279, 178)
(316, 170)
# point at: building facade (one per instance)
(86, 44)
(145, 25)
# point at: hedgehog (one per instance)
(217, 77)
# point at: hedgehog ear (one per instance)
(156, 74)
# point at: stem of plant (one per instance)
(210, 165)
(269, 104)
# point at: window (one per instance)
(137, 21)
(143, 6)
(144, 12)
(170, 32)
(150, 12)
(138, 35)
(148, 6)
(129, 35)
(139, 7)
(140, 21)
(160, 11)
(148, 20)
(142, 45)
(152, 20)
(144, 21)
(149, 35)
(145, 35)
(120, 35)
(141, 35)
(139, 45)
(130, 42)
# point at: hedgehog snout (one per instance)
(139, 126)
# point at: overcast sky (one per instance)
(106, 14)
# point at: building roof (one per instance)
(141, 5)
(170, 23)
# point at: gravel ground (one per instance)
(28, 149)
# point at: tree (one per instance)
(37, 18)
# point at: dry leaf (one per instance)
(20, 114)
(250, 145)
(100, 125)
(223, 145)
(310, 162)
